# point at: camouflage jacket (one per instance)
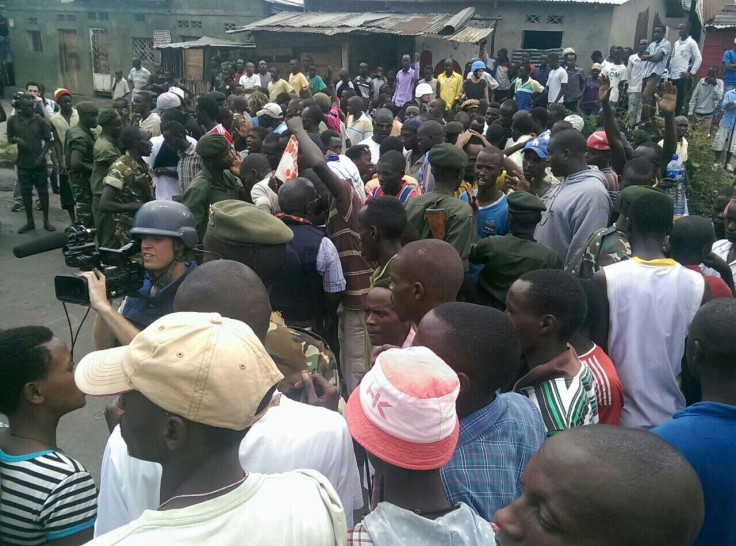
(122, 176)
(607, 246)
(294, 350)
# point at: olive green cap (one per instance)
(240, 222)
(212, 145)
(448, 156)
(628, 196)
(523, 201)
(454, 128)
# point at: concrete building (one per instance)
(79, 44)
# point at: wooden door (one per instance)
(99, 45)
(69, 59)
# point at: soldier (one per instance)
(79, 155)
(610, 245)
(128, 184)
(506, 258)
(105, 153)
(438, 214)
(214, 182)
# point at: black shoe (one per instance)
(55, 189)
(39, 206)
(27, 227)
(17, 207)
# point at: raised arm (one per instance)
(314, 158)
(613, 134)
(666, 103)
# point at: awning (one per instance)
(453, 27)
(206, 41)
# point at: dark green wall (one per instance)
(122, 19)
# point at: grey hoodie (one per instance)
(576, 208)
(389, 525)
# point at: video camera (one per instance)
(122, 274)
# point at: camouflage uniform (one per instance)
(294, 350)
(121, 176)
(78, 138)
(607, 246)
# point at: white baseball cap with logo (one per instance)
(201, 366)
(403, 412)
(272, 110)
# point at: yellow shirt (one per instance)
(298, 82)
(276, 88)
(450, 88)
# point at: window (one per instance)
(183, 23)
(34, 41)
(196, 24)
(140, 16)
(33, 20)
(103, 16)
(532, 19)
(143, 49)
(542, 39)
(230, 26)
(91, 15)
(71, 17)
(555, 19)
(60, 17)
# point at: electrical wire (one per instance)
(73, 336)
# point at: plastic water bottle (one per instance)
(676, 172)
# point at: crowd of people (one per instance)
(392, 308)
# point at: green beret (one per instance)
(454, 128)
(240, 222)
(627, 196)
(106, 116)
(86, 107)
(523, 201)
(323, 101)
(448, 156)
(212, 145)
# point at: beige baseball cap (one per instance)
(200, 366)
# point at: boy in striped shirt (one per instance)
(546, 307)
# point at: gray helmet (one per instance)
(166, 218)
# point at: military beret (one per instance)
(447, 156)
(86, 107)
(240, 222)
(454, 128)
(106, 116)
(212, 145)
(523, 201)
(628, 196)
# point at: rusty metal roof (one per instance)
(452, 27)
(206, 41)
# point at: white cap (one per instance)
(423, 89)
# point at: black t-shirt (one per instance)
(475, 90)
(35, 132)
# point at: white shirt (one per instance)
(249, 82)
(682, 52)
(289, 436)
(721, 249)
(635, 73)
(616, 73)
(346, 170)
(295, 508)
(375, 149)
(166, 187)
(262, 194)
(359, 129)
(650, 310)
(554, 84)
(139, 77)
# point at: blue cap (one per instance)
(539, 145)
(476, 65)
(412, 124)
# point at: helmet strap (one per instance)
(162, 277)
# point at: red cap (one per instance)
(598, 141)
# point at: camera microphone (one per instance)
(37, 246)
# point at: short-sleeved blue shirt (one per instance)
(729, 76)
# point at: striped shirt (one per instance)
(44, 496)
(342, 229)
(565, 399)
(610, 391)
(190, 163)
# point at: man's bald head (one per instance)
(296, 196)
(425, 274)
(430, 134)
(229, 288)
(603, 483)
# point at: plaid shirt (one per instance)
(190, 163)
(358, 535)
(493, 448)
(329, 266)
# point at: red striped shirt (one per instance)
(609, 390)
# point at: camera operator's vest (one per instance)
(142, 309)
(298, 292)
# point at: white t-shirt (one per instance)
(289, 436)
(554, 84)
(249, 82)
(346, 170)
(616, 73)
(374, 147)
(295, 508)
(166, 187)
(635, 73)
(682, 52)
(262, 194)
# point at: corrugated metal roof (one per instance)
(725, 19)
(206, 41)
(612, 2)
(449, 26)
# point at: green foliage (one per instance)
(703, 180)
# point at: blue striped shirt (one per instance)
(493, 448)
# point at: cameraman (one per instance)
(166, 231)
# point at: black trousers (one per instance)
(681, 85)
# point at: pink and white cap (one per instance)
(403, 412)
